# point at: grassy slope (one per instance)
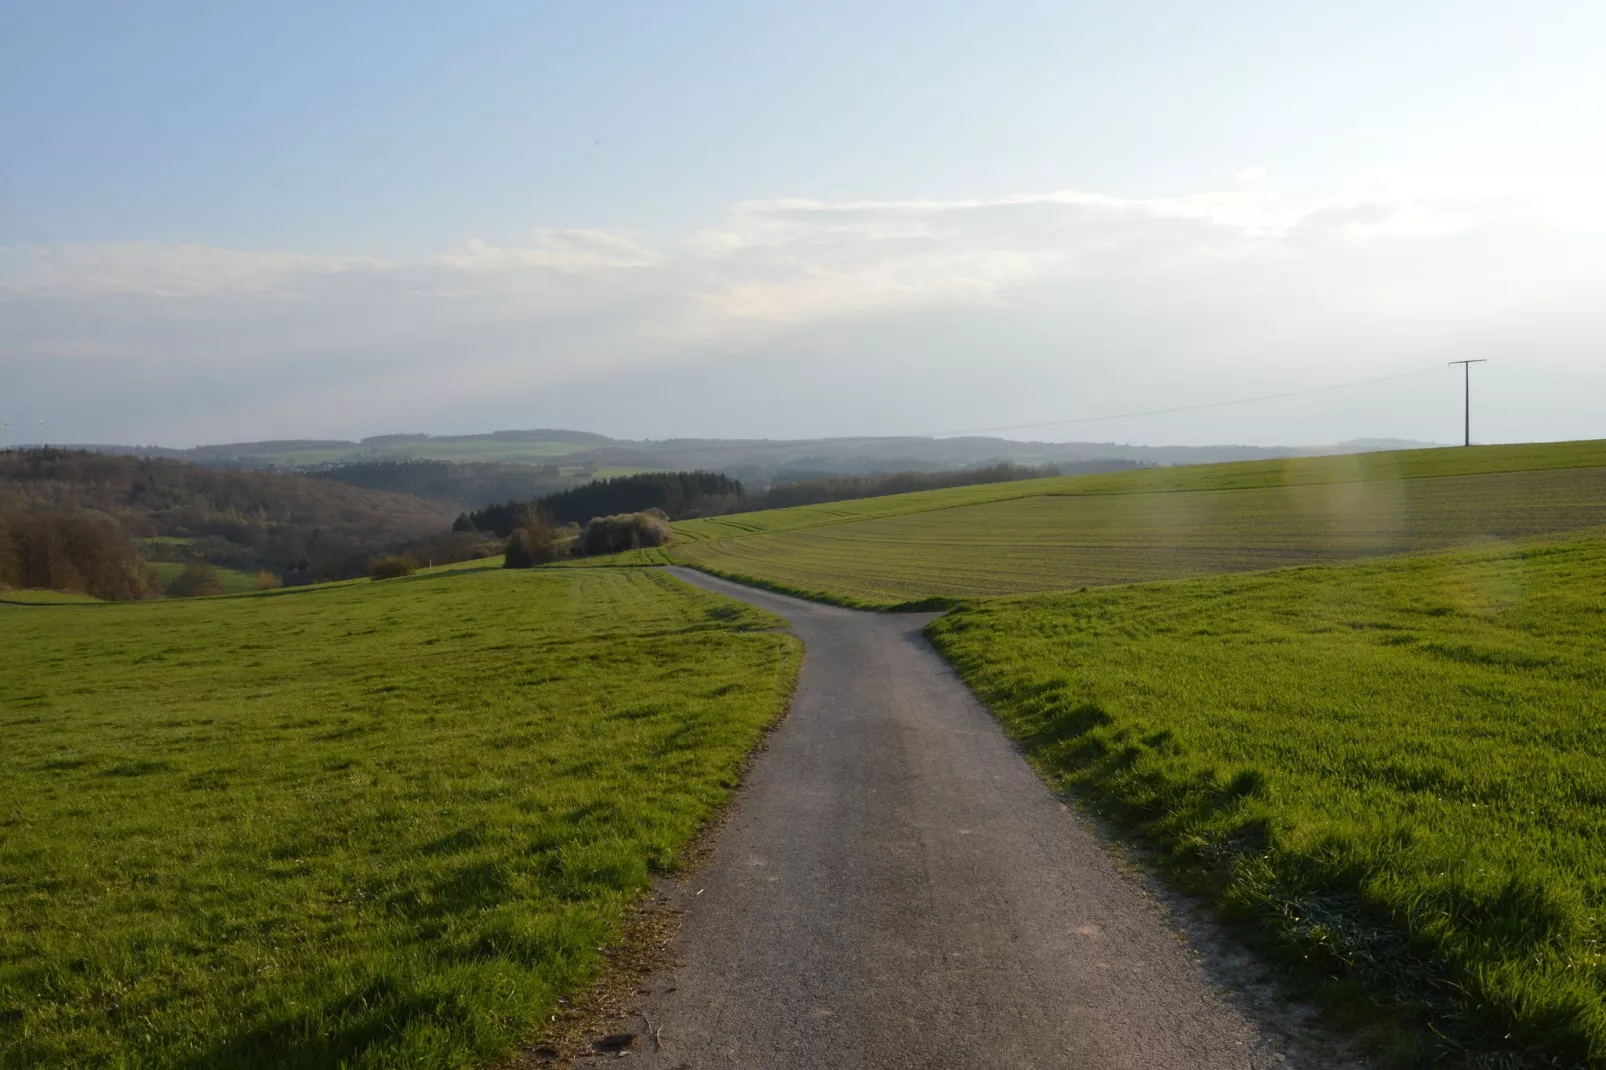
(1395, 770)
(1054, 543)
(34, 597)
(374, 825)
(1059, 533)
(1401, 464)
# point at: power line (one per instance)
(1187, 408)
(1466, 374)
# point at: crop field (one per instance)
(1057, 542)
(379, 824)
(1238, 475)
(1160, 523)
(1394, 771)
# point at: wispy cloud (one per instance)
(560, 250)
(160, 270)
(1107, 280)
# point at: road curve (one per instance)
(896, 888)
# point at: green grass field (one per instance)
(1394, 771)
(390, 823)
(381, 824)
(232, 580)
(1067, 532)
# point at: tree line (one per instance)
(684, 495)
(678, 495)
(848, 488)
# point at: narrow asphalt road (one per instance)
(896, 888)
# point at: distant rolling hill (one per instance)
(757, 462)
(461, 484)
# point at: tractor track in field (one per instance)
(894, 887)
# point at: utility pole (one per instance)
(1466, 375)
(41, 434)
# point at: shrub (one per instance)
(519, 553)
(626, 531)
(546, 540)
(198, 578)
(391, 566)
(534, 542)
(267, 581)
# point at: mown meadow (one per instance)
(1393, 772)
(371, 825)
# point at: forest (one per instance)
(464, 485)
(300, 529)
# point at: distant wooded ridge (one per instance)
(463, 484)
(299, 529)
(756, 462)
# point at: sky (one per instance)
(223, 222)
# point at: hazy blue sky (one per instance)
(223, 221)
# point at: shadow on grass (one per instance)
(1319, 909)
(380, 1015)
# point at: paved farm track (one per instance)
(896, 888)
